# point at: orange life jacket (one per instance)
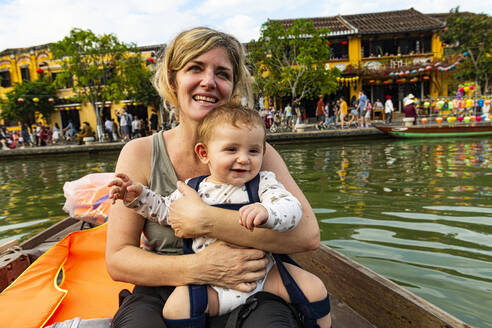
(87, 291)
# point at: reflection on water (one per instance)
(32, 190)
(418, 212)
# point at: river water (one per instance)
(419, 212)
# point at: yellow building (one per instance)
(26, 64)
(387, 53)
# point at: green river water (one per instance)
(419, 212)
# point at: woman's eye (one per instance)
(195, 68)
(224, 75)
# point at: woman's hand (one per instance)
(229, 266)
(186, 214)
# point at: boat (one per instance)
(436, 130)
(359, 296)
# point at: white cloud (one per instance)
(242, 27)
(26, 23)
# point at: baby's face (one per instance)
(235, 154)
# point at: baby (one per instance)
(232, 144)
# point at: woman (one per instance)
(56, 133)
(201, 70)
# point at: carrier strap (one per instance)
(310, 310)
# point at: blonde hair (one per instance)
(191, 44)
(232, 115)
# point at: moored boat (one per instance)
(360, 297)
(436, 130)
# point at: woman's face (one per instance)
(204, 83)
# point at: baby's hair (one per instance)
(229, 114)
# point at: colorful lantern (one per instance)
(20, 100)
(478, 118)
(424, 120)
(451, 119)
(40, 70)
(467, 119)
(51, 100)
(439, 120)
(344, 43)
(35, 100)
(460, 118)
(429, 67)
(426, 104)
(426, 77)
(472, 118)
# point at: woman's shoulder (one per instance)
(138, 146)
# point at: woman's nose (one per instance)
(208, 79)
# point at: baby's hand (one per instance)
(124, 188)
(252, 215)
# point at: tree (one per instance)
(471, 35)
(97, 63)
(29, 98)
(292, 60)
(138, 80)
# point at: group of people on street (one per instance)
(330, 114)
(30, 136)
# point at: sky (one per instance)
(26, 23)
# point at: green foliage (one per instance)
(138, 80)
(471, 33)
(98, 64)
(24, 111)
(292, 61)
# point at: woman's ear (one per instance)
(202, 153)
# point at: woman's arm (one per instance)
(190, 217)
(218, 264)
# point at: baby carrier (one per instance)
(309, 311)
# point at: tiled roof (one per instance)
(336, 24)
(439, 16)
(397, 21)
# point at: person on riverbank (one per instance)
(288, 114)
(85, 133)
(361, 109)
(154, 121)
(26, 135)
(343, 111)
(388, 109)
(56, 133)
(409, 107)
(320, 110)
(70, 130)
(125, 124)
(201, 70)
(231, 138)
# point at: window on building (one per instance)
(338, 51)
(25, 75)
(5, 81)
(68, 82)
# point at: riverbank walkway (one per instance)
(283, 137)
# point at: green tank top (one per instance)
(161, 239)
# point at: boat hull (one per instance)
(360, 297)
(436, 131)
